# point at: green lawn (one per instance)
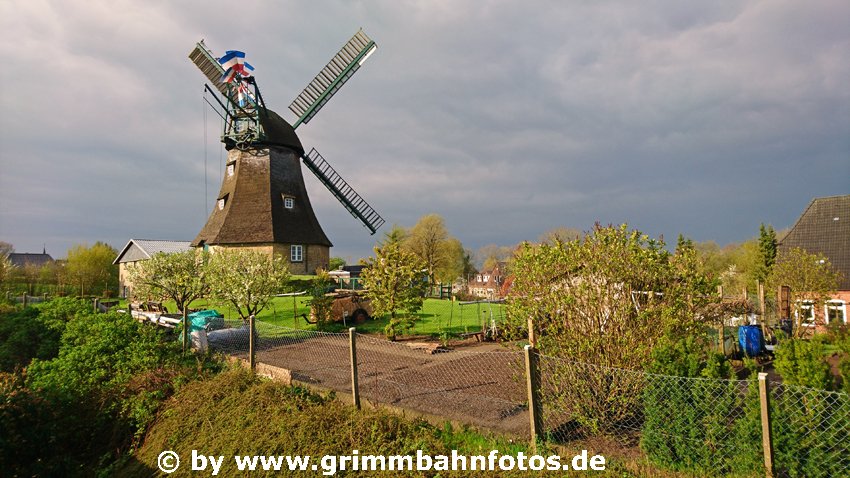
(436, 317)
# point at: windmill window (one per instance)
(288, 202)
(231, 169)
(221, 202)
(296, 253)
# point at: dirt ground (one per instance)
(481, 384)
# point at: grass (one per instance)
(236, 413)
(437, 317)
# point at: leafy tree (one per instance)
(336, 263)
(811, 278)
(180, 276)
(767, 252)
(396, 235)
(246, 279)
(606, 299)
(394, 282)
(7, 269)
(429, 240)
(90, 267)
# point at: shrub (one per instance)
(696, 419)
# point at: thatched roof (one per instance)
(253, 202)
(824, 228)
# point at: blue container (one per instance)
(751, 340)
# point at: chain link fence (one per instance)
(697, 426)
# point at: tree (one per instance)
(336, 263)
(491, 254)
(92, 266)
(563, 234)
(767, 252)
(812, 281)
(394, 281)
(246, 279)
(396, 235)
(429, 239)
(180, 276)
(607, 299)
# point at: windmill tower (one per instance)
(263, 203)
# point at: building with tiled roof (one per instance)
(824, 228)
(138, 250)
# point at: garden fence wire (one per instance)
(698, 426)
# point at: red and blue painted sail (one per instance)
(234, 63)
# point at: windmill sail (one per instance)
(341, 67)
(345, 194)
(202, 57)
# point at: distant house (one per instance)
(138, 250)
(488, 284)
(824, 228)
(23, 259)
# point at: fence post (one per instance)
(185, 329)
(535, 412)
(252, 358)
(95, 303)
(355, 387)
(767, 441)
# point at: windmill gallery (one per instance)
(263, 202)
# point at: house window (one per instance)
(478, 278)
(231, 169)
(806, 313)
(836, 310)
(288, 202)
(296, 253)
(221, 202)
(486, 278)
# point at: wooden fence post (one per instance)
(532, 375)
(24, 300)
(252, 358)
(96, 301)
(185, 329)
(767, 441)
(355, 386)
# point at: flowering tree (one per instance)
(180, 276)
(245, 279)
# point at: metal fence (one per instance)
(699, 426)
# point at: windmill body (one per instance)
(263, 202)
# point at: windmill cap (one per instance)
(279, 132)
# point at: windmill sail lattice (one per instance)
(341, 67)
(345, 194)
(203, 59)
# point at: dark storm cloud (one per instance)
(508, 118)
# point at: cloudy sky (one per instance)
(508, 118)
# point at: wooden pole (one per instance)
(720, 330)
(24, 300)
(252, 358)
(185, 329)
(532, 375)
(762, 308)
(766, 439)
(355, 386)
(532, 337)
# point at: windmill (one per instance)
(263, 202)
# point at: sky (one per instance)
(507, 118)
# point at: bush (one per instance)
(697, 425)
(75, 413)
